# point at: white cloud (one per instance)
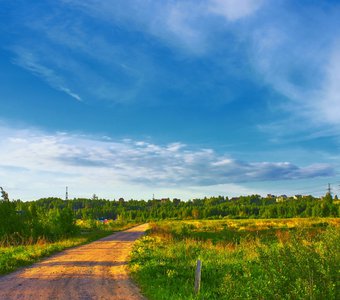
(234, 10)
(178, 27)
(70, 93)
(223, 162)
(32, 159)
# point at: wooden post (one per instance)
(198, 276)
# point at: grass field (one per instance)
(241, 259)
(14, 257)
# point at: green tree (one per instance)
(4, 195)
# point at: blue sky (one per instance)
(172, 98)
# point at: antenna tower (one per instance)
(66, 195)
(329, 189)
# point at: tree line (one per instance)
(253, 206)
(55, 218)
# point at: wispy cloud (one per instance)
(183, 25)
(328, 97)
(63, 48)
(292, 51)
(28, 60)
(110, 163)
(70, 93)
(234, 10)
(297, 55)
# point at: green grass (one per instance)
(252, 259)
(14, 257)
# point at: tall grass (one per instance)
(283, 259)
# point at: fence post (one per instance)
(198, 276)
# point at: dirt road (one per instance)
(94, 271)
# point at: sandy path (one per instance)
(94, 271)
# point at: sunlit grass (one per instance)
(242, 259)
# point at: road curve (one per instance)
(94, 271)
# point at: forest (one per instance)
(54, 218)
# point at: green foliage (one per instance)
(14, 257)
(54, 218)
(284, 259)
(18, 227)
(244, 207)
(9, 220)
(296, 270)
(60, 222)
(4, 194)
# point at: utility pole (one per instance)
(66, 195)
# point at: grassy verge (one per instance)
(12, 258)
(253, 259)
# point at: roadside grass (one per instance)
(241, 259)
(14, 257)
